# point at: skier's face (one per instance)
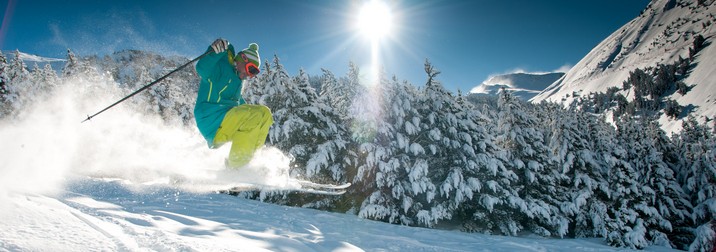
(240, 67)
(245, 68)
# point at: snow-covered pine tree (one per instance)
(77, 70)
(329, 88)
(4, 86)
(342, 93)
(666, 204)
(367, 108)
(334, 92)
(328, 137)
(698, 176)
(49, 76)
(179, 99)
(447, 150)
(484, 211)
(396, 162)
(679, 211)
(144, 70)
(538, 201)
(44, 79)
(487, 211)
(19, 88)
(626, 226)
(72, 66)
(575, 154)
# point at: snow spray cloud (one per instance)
(47, 145)
(119, 30)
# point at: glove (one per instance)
(220, 45)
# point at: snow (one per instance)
(127, 182)
(96, 215)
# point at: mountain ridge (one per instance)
(662, 34)
(523, 85)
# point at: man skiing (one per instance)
(220, 112)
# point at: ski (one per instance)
(291, 185)
(310, 184)
(317, 189)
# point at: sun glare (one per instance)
(375, 20)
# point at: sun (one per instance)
(375, 20)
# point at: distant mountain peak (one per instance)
(523, 85)
(26, 57)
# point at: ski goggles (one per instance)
(251, 69)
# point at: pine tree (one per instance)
(334, 93)
(628, 203)
(396, 162)
(341, 94)
(666, 203)
(698, 176)
(180, 97)
(49, 76)
(490, 210)
(19, 91)
(447, 134)
(81, 70)
(42, 82)
(624, 226)
(575, 142)
(537, 203)
(4, 87)
(72, 65)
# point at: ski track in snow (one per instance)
(99, 215)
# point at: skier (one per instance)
(220, 112)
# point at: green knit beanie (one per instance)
(252, 54)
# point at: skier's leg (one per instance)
(263, 129)
(247, 127)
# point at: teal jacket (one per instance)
(219, 91)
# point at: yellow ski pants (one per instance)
(246, 127)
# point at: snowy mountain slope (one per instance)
(660, 35)
(524, 85)
(103, 215)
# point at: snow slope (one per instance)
(660, 35)
(92, 214)
(523, 85)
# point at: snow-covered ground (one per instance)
(91, 214)
(55, 195)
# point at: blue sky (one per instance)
(467, 40)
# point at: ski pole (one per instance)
(147, 86)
